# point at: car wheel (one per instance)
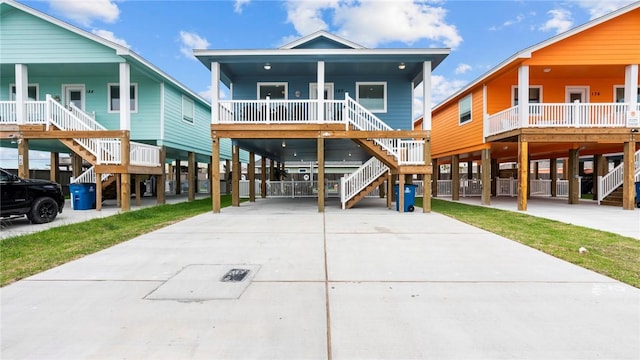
(44, 210)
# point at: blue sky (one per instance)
(480, 34)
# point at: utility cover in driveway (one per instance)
(200, 282)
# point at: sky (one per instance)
(480, 34)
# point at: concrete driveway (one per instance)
(366, 283)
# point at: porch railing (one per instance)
(611, 181)
(290, 189)
(355, 182)
(561, 115)
(466, 188)
(143, 154)
(8, 112)
(540, 187)
(278, 111)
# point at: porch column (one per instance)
(178, 184)
(263, 177)
(599, 169)
(553, 172)
(523, 95)
(320, 91)
(455, 177)
(495, 172)
(321, 187)
(574, 194)
(54, 171)
(22, 92)
(252, 176)
(631, 85)
(23, 158)
(125, 96)
(191, 176)
(400, 197)
(161, 179)
(426, 95)
(523, 174)
(98, 191)
(215, 92)
(235, 174)
(486, 176)
(628, 185)
(215, 175)
(434, 178)
(125, 185)
(426, 178)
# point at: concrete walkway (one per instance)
(368, 283)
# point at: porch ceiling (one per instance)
(299, 150)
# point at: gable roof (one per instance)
(120, 50)
(527, 53)
(318, 35)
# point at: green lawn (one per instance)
(609, 254)
(26, 255)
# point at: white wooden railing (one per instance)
(143, 154)
(540, 187)
(606, 115)
(278, 111)
(290, 189)
(466, 188)
(8, 112)
(611, 181)
(355, 182)
(89, 176)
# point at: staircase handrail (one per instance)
(355, 182)
(362, 119)
(89, 176)
(611, 181)
(86, 118)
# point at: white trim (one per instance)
(385, 98)
(13, 85)
(325, 52)
(527, 53)
(319, 34)
(328, 87)
(193, 110)
(470, 96)
(273, 83)
(162, 111)
(70, 87)
(427, 68)
(135, 94)
(583, 89)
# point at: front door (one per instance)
(328, 95)
(577, 95)
(74, 94)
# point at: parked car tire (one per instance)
(44, 210)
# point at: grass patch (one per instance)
(26, 255)
(609, 254)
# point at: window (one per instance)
(275, 91)
(535, 95)
(114, 97)
(619, 94)
(464, 109)
(32, 92)
(372, 95)
(187, 110)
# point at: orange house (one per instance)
(573, 96)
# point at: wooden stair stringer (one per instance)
(80, 150)
(364, 192)
(615, 198)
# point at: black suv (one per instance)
(39, 200)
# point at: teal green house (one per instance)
(61, 91)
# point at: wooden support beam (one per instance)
(252, 176)
(400, 197)
(125, 151)
(321, 187)
(23, 158)
(98, 191)
(573, 177)
(227, 176)
(54, 171)
(434, 178)
(263, 177)
(455, 177)
(553, 170)
(192, 174)
(138, 189)
(485, 173)
(495, 172)
(523, 174)
(215, 175)
(118, 190)
(389, 190)
(235, 176)
(628, 184)
(178, 181)
(426, 178)
(161, 179)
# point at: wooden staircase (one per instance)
(615, 198)
(80, 150)
(376, 150)
(364, 192)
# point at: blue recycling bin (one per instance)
(409, 194)
(638, 194)
(83, 196)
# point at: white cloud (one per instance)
(560, 21)
(208, 94)
(597, 8)
(373, 22)
(191, 41)
(463, 68)
(110, 36)
(239, 4)
(517, 20)
(86, 11)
